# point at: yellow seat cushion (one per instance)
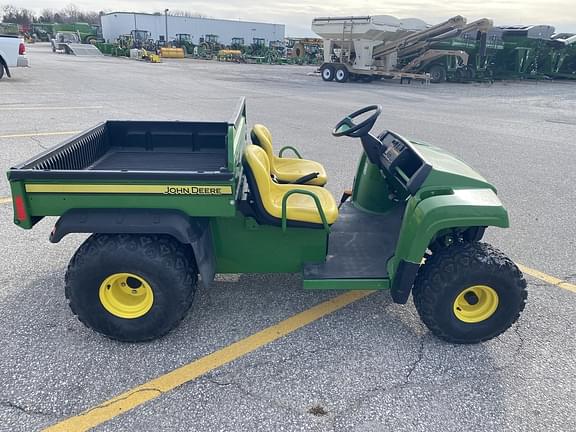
(301, 208)
(287, 169)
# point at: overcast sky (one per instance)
(298, 14)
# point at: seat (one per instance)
(269, 195)
(287, 170)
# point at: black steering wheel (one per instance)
(346, 126)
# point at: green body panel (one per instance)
(56, 204)
(347, 284)
(448, 170)
(371, 189)
(241, 245)
(428, 214)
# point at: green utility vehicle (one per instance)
(167, 202)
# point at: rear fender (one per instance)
(426, 218)
(193, 231)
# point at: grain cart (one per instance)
(524, 53)
(166, 202)
(367, 48)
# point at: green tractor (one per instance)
(209, 46)
(169, 202)
(184, 40)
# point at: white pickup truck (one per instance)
(12, 54)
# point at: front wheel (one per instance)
(132, 288)
(469, 293)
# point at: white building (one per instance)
(118, 23)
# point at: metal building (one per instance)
(118, 23)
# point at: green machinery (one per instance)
(88, 33)
(9, 29)
(209, 46)
(533, 52)
(139, 39)
(237, 43)
(304, 51)
(167, 202)
(184, 40)
(42, 32)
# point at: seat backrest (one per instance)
(259, 166)
(262, 137)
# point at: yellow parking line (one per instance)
(547, 278)
(5, 200)
(39, 134)
(158, 386)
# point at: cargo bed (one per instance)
(189, 166)
(136, 149)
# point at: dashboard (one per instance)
(402, 162)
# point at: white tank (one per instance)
(375, 28)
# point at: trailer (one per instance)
(370, 47)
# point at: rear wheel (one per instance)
(131, 288)
(342, 75)
(437, 74)
(328, 73)
(469, 293)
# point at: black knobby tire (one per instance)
(449, 272)
(328, 73)
(167, 265)
(437, 74)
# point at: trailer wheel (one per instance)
(469, 293)
(342, 75)
(328, 73)
(132, 288)
(437, 74)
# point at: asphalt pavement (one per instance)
(371, 366)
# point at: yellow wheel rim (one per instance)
(126, 295)
(476, 304)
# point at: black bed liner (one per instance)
(119, 150)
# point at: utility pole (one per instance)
(166, 16)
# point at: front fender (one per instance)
(425, 218)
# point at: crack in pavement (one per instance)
(128, 396)
(275, 402)
(28, 411)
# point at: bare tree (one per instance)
(187, 14)
(47, 16)
(16, 15)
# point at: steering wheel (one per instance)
(346, 126)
